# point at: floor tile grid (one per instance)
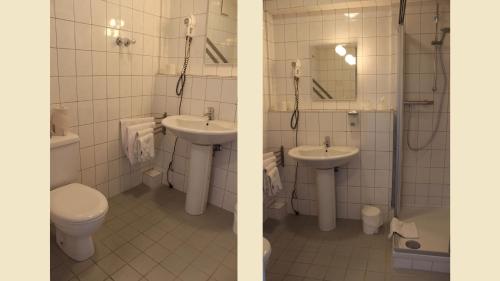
(143, 238)
(301, 252)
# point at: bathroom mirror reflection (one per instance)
(333, 71)
(221, 43)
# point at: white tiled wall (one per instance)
(365, 180)
(368, 178)
(173, 37)
(100, 82)
(293, 26)
(426, 173)
(290, 6)
(206, 85)
(290, 36)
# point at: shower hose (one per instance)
(437, 58)
(294, 124)
(179, 91)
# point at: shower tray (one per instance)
(432, 251)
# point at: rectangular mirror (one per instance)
(333, 71)
(220, 47)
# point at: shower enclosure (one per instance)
(421, 189)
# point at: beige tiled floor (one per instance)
(148, 236)
(300, 252)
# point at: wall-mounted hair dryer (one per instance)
(190, 23)
(297, 68)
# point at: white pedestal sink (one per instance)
(202, 134)
(324, 160)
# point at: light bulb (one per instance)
(351, 15)
(340, 50)
(350, 59)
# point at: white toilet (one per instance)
(76, 210)
(267, 252)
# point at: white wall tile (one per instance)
(84, 88)
(85, 112)
(66, 62)
(67, 89)
(64, 9)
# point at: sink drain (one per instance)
(412, 244)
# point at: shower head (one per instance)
(444, 31)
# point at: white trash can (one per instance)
(372, 219)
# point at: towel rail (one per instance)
(280, 157)
(163, 116)
(161, 129)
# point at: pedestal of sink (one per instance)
(200, 167)
(324, 159)
(327, 215)
(202, 133)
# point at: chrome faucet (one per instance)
(326, 142)
(210, 114)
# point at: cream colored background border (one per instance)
(475, 138)
(24, 140)
(250, 111)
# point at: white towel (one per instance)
(125, 123)
(146, 147)
(131, 138)
(404, 229)
(139, 134)
(267, 155)
(274, 176)
(270, 166)
(267, 185)
(269, 161)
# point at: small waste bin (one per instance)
(372, 219)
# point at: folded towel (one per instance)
(267, 155)
(404, 229)
(125, 123)
(269, 161)
(131, 138)
(274, 177)
(270, 166)
(144, 132)
(139, 134)
(267, 185)
(146, 147)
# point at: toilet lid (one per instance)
(370, 211)
(267, 247)
(76, 203)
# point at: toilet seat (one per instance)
(267, 247)
(76, 204)
(267, 251)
